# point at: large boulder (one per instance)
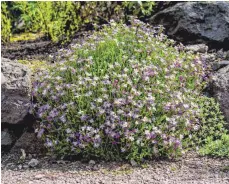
(197, 22)
(221, 89)
(16, 89)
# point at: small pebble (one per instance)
(33, 162)
(30, 156)
(92, 162)
(39, 176)
(25, 166)
(20, 167)
(133, 163)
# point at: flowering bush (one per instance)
(127, 92)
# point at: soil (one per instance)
(189, 169)
(39, 49)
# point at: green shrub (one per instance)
(51, 18)
(5, 23)
(126, 93)
(140, 9)
(219, 147)
(212, 122)
(61, 20)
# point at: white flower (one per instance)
(44, 92)
(187, 122)
(100, 100)
(120, 111)
(96, 78)
(126, 69)
(186, 106)
(96, 145)
(63, 68)
(125, 124)
(113, 125)
(196, 127)
(68, 130)
(136, 123)
(124, 85)
(155, 128)
(111, 66)
(106, 77)
(101, 111)
(58, 78)
(89, 93)
(145, 119)
(147, 132)
(108, 123)
(89, 128)
(117, 101)
(94, 83)
(92, 107)
(131, 138)
(97, 136)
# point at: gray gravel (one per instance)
(188, 170)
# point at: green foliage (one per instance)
(213, 138)
(28, 12)
(5, 23)
(219, 147)
(54, 19)
(139, 9)
(212, 122)
(125, 93)
(25, 36)
(35, 65)
(59, 21)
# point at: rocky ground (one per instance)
(189, 169)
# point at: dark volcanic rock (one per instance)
(197, 22)
(16, 89)
(221, 89)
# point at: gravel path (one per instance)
(189, 170)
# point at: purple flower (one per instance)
(49, 118)
(63, 118)
(53, 113)
(177, 143)
(75, 143)
(84, 118)
(64, 106)
(49, 143)
(40, 133)
(68, 130)
(152, 135)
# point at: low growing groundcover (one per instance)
(127, 92)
